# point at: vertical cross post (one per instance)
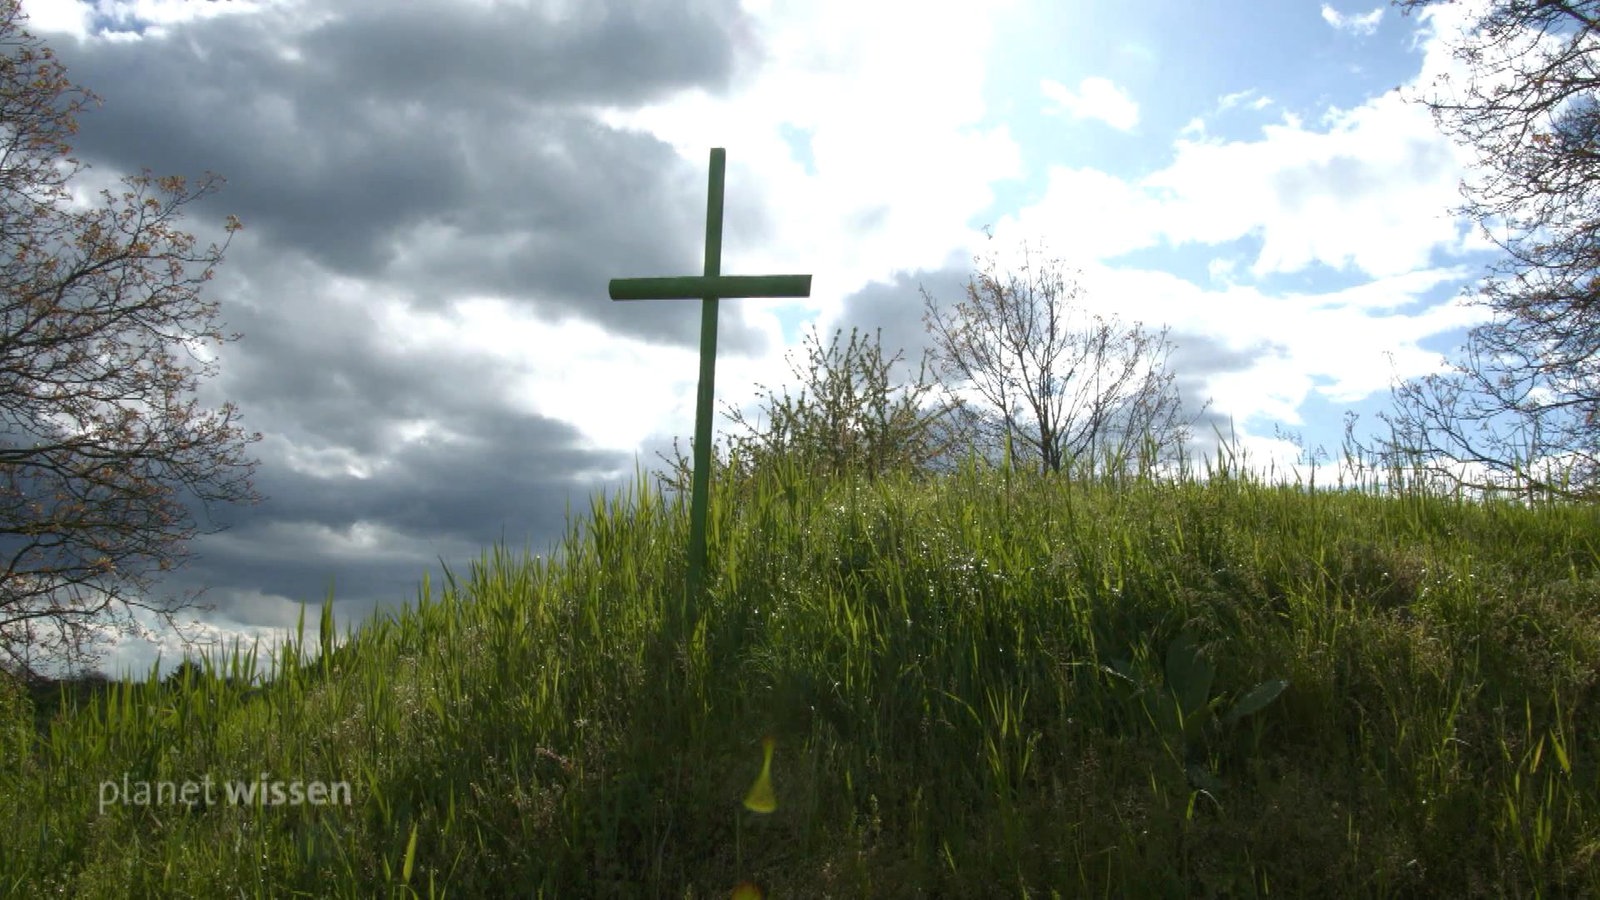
(709, 287)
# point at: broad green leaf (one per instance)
(1257, 699)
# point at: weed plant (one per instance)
(989, 683)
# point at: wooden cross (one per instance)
(709, 287)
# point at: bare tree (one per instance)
(1521, 407)
(1057, 385)
(95, 303)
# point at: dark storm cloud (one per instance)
(331, 394)
(387, 155)
(439, 498)
(458, 136)
(897, 308)
(620, 53)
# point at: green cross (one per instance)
(709, 287)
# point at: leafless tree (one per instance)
(1054, 383)
(95, 304)
(1520, 408)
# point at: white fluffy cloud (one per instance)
(1363, 24)
(1095, 98)
(1344, 345)
(882, 123)
(1368, 191)
(1250, 99)
(75, 17)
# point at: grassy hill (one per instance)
(976, 685)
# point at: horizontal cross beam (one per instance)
(699, 287)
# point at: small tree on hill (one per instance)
(95, 305)
(848, 417)
(1051, 383)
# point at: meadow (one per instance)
(987, 683)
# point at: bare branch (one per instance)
(1520, 407)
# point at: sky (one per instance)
(435, 193)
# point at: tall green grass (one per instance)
(990, 683)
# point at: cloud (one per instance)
(1096, 98)
(432, 211)
(443, 152)
(124, 20)
(1363, 24)
(1286, 345)
(883, 119)
(1370, 192)
(1247, 98)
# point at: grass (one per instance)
(983, 684)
